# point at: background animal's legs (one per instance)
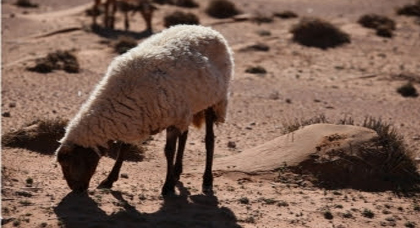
(114, 11)
(147, 16)
(95, 10)
(106, 15)
(126, 21)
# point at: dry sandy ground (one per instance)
(355, 80)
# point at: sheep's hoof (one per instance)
(208, 190)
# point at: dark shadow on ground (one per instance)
(115, 33)
(184, 210)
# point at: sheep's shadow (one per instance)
(185, 210)
(115, 33)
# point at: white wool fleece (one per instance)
(162, 82)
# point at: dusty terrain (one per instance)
(355, 80)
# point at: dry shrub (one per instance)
(59, 60)
(286, 14)
(186, 3)
(410, 9)
(180, 3)
(314, 32)
(408, 90)
(26, 4)
(124, 43)
(384, 31)
(374, 21)
(179, 17)
(162, 2)
(382, 24)
(256, 70)
(40, 135)
(382, 164)
(222, 9)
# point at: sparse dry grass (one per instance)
(222, 9)
(40, 135)
(315, 32)
(59, 60)
(179, 17)
(299, 123)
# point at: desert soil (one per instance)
(355, 80)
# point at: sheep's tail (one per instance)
(219, 110)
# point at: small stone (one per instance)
(12, 105)
(231, 144)
(124, 175)
(5, 114)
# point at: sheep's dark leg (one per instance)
(115, 172)
(179, 155)
(172, 135)
(208, 175)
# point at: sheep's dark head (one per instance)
(78, 165)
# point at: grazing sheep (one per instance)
(145, 7)
(177, 77)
